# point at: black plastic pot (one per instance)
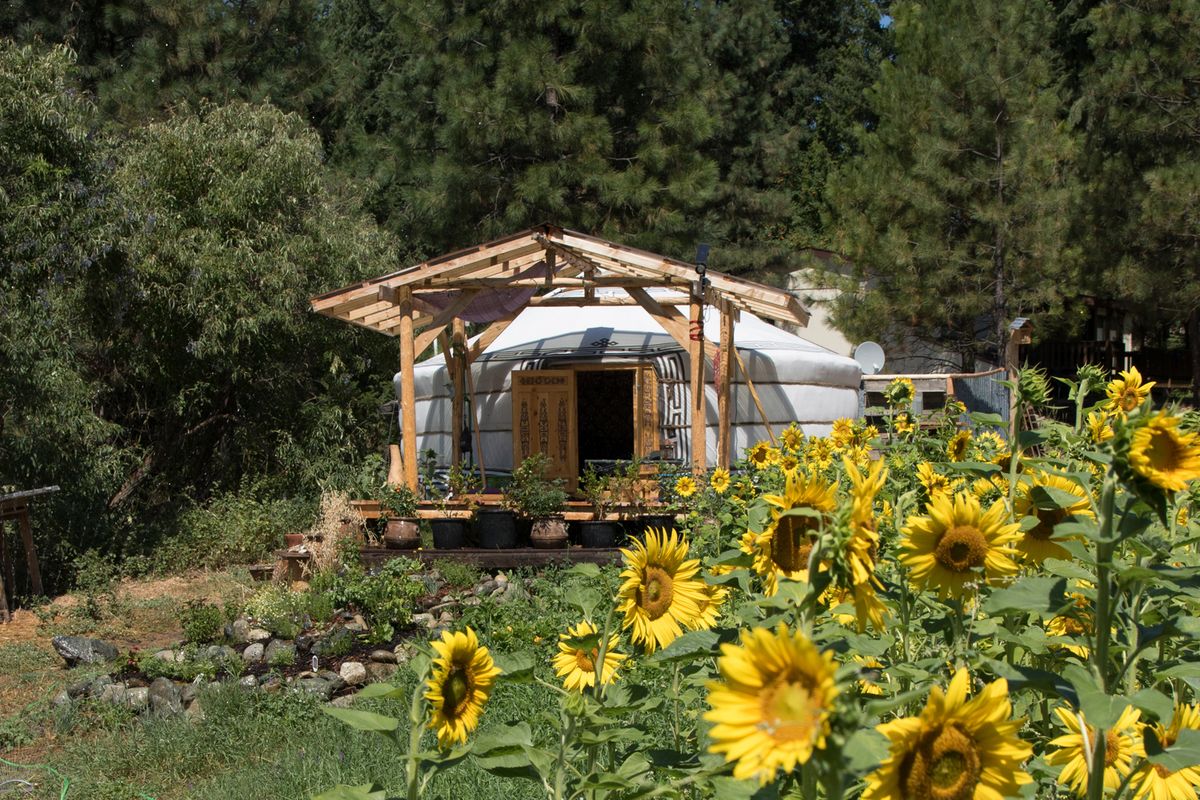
(496, 528)
(658, 522)
(448, 534)
(598, 533)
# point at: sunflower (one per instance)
(1157, 781)
(863, 545)
(842, 433)
(789, 464)
(1163, 455)
(719, 480)
(1074, 622)
(958, 749)
(576, 667)
(792, 438)
(899, 393)
(1036, 543)
(771, 707)
(903, 423)
(710, 606)
(990, 446)
(685, 486)
(1121, 744)
(1127, 392)
(990, 488)
(459, 683)
(661, 591)
(784, 548)
(957, 447)
(1099, 427)
(870, 670)
(762, 455)
(954, 408)
(819, 453)
(934, 483)
(958, 543)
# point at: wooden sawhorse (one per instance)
(15, 506)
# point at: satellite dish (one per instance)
(869, 356)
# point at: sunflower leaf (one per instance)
(1051, 498)
(1184, 753)
(1067, 569)
(583, 598)
(983, 469)
(1155, 703)
(726, 788)
(1099, 709)
(688, 647)
(864, 750)
(364, 720)
(1039, 595)
(1044, 681)
(587, 642)
(381, 690)
(585, 570)
(517, 667)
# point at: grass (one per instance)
(282, 747)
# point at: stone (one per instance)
(487, 587)
(353, 673)
(334, 679)
(315, 686)
(357, 624)
(82, 650)
(345, 701)
(512, 592)
(280, 649)
(189, 691)
(81, 688)
(383, 656)
(304, 643)
(404, 651)
(139, 699)
(61, 700)
(248, 681)
(239, 631)
(220, 652)
(95, 687)
(471, 601)
(258, 635)
(378, 671)
(253, 653)
(501, 578)
(424, 619)
(165, 655)
(339, 638)
(195, 711)
(165, 697)
(271, 683)
(115, 693)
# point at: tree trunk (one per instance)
(999, 297)
(1194, 349)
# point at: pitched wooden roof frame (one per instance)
(585, 262)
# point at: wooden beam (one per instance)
(426, 338)
(671, 321)
(408, 392)
(31, 559)
(762, 413)
(699, 415)
(443, 318)
(558, 282)
(456, 356)
(724, 385)
(553, 301)
(485, 339)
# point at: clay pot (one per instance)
(402, 534)
(549, 533)
(291, 540)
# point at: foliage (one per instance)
(457, 574)
(385, 597)
(530, 493)
(397, 502)
(285, 612)
(201, 621)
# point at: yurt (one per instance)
(588, 350)
(603, 383)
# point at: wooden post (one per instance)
(725, 386)
(457, 356)
(5, 616)
(408, 392)
(31, 559)
(699, 456)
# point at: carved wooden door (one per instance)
(544, 420)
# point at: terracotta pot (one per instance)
(291, 540)
(402, 534)
(549, 533)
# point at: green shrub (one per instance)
(385, 597)
(284, 612)
(458, 575)
(283, 657)
(201, 621)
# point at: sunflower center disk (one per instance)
(944, 766)
(1112, 748)
(793, 543)
(1047, 519)
(585, 662)
(656, 593)
(1162, 452)
(961, 549)
(456, 691)
(790, 713)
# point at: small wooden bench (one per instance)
(15, 506)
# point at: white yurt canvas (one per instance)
(622, 386)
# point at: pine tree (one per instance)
(957, 213)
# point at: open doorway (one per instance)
(605, 414)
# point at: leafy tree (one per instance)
(956, 213)
(1141, 107)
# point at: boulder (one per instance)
(95, 687)
(353, 673)
(115, 693)
(345, 701)
(280, 649)
(357, 624)
(61, 700)
(82, 650)
(304, 643)
(339, 638)
(253, 653)
(248, 682)
(424, 619)
(239, 631)
(318, 686)
(378, 671)
(334, 679)
(220, 652)
(383, 656)
(258, 635)
(271, 683)
(165, 697)
(195, 712)
(139, 699)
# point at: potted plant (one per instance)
(398, 506)
(450, 533)
(541, 500)
(600, 491)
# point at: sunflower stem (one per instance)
(416, 718)
(1100, 665)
